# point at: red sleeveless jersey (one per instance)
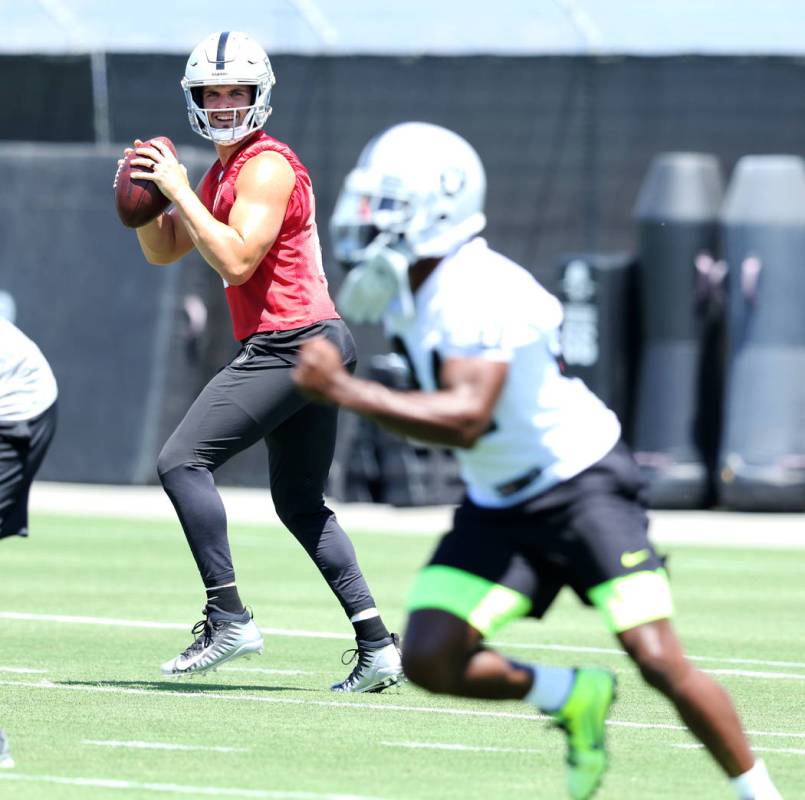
(289, 288)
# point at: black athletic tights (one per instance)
(254, 398)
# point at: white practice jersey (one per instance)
(27, 385)
(546, 427)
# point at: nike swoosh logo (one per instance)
(632, 558)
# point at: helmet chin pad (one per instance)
(377, 285)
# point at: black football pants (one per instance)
(254, 398)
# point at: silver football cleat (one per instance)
(376, 670)
(220, 637)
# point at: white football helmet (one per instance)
(417, 191)
(224, 59)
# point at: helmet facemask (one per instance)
(368, 229)
(254, 115)
(367, 217)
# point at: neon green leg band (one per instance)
(485, 605)
(633, 600)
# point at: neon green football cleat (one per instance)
(583, 718)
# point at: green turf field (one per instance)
(89, 715)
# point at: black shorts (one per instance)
(583, 533)
(22, 447)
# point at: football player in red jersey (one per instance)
(252, 218)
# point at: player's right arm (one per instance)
(455, 415)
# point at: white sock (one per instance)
(367, 613)
(551, 687)
(755, 784)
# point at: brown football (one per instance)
(139, 201)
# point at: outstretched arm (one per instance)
(456, 415)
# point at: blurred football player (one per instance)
(252, 219)
(28, 411)
(554, 497)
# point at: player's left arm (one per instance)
(234, 250)
(456, 415)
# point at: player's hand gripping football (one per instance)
(319, 370)
(167, 173)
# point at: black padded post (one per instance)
(762, 460)
(675, 427)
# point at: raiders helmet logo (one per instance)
(452, 180)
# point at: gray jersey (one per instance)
(546, 427)
(27, 385)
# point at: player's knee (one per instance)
(661, 668)
(433, 667)
(167, 460)
(176, 454)
(299, 514)
(427, 673)
(287, 513)
(172, 471)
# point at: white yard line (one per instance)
(756, 661)
(347, 705)
(173, 788)
(137, 745)
(795, 751)
(22, 616)
(264, 671)
(24, 670)
(614, 651)
(465, 748)
(459, 747)
(742, 673)
(67, 619)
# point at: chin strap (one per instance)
(369, 288)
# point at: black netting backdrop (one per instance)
(52, 100)
(566, 141)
